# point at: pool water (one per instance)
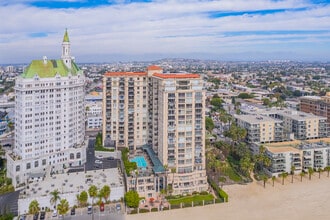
(140, 161)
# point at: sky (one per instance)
(146, 30)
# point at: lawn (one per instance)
(189, 199)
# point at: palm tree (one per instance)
(273, 179)
(55, 196)
(34, 207)
(301, 174)
(310, 172)
(63, 207)
(165, 184)
(264, 179)
(327, 169)
(173, 171)
(319, 170)
(105, 192)
(92, 191)
(293, 168)
(82, 198)
(283, 175)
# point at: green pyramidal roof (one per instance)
(66, 36)
(49, 69)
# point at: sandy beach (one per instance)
(308, 199)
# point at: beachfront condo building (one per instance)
(295, 124)
(302, 157)
(49, 118)
(164, 111)
(260, 128)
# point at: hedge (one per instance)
(222, 194)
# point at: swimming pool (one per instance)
(140, 161)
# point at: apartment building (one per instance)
(49, 118)
(302, 125)
(260, 128)
(164, 111)
(316, 105)
(302, 157)
(296, 124)
(282, 159)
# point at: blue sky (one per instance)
(121, 30)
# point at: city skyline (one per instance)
(141, 30)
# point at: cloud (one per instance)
(134, 28)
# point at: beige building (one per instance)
(260, 128)
(302, 157)
(166, 112)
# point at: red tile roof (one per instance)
(154, 67)
(176, 75)
(118, 74)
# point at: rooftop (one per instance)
(124, 74)
(256, 119)
(282, 149)
(176, 75)
(154, 67)
(49, 68)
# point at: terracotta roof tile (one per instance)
(154, 67)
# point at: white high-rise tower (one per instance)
(49, 118)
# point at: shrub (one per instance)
(154, 209)
(222, 194)
(204, 193)
(144, 210)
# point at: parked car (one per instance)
(73, 211)
(110, 158)
(89, 210)
(118, 207)
(54, 213)
(98, 161)
(36, 216)
(42, 215)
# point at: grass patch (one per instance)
(101, 148)
(189, 199)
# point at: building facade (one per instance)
(260, 128)
(316, 105)
(164, 111)
(302, 157)
(49, 118)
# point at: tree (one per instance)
(217, 103)
(293, 168)
(55, 196)
(92, 191)
(283, 175)
(173, 171)
(105, 192)
(273, 179)
(310, 172)
(209, 124)
(327, 169)
(132, 199)
(301, 174)
(82, 198)
(166, 177)
(63, 207)
(34, 207)
(245, 95)
(264, 179)
(319, 170)
(246, 165)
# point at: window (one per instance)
(18, 168)
(44, 162)
(78, 155)
(28, 166)
(36, 163)
(71, 156)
